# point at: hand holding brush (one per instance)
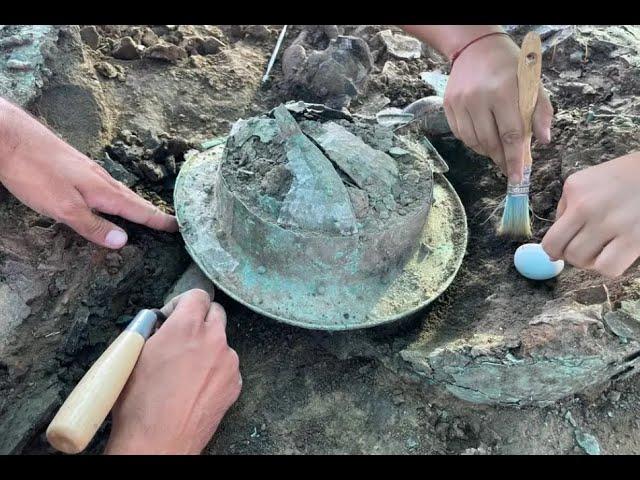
(516, 222)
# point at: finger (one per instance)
(451, 118)
(584, 248)
(562, 206)
(616, 257)
(116, 199)
(94, 228)
(511, 131)
(170, 306)
(560, 234)
(487, 133)
(542, 117)
(216, 317)
(468, 132)
(190, 311)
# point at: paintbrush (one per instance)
(516, 222)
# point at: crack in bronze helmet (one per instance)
(322, 220)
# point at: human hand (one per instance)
(186, 379)
(56, 180)
(481, 104)
(598, 218)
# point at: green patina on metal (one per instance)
(303, 252)
(22, 60)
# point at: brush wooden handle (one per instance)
(92, 399)
(529, 70)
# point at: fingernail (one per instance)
(116, 239)
(547, 136)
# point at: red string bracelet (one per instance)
(455, 56)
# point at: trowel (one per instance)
(86, 408)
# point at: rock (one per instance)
(259, 32)
(23, 419)
(166, 52)
(332, 76)
(178, 146)
(149, 140)
(373, 105)
(210, 46)
(170, 165)
(152, 171)
(614, 396)
(436, 80)
(592, 295)
(148, 37)
(118, 172)
(576, 57)
(125, 49)
(90, 36)
(332, 31)
(366, 32)
(587, 442)
(400, 46)
(107, 70)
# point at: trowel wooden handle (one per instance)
(529, 70)
(90, 402)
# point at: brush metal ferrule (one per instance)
(521, 189)
(143, 323)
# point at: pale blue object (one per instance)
(532, 262)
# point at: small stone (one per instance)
(118, 172)
(576, 57)
(614, 396)
(321, 290)
(569, 418)
(149, 37)
(170, 165)
(106, 70)
(411, 444)
(178, 146)
(587, 442)
(209, 46)
(259, 32)
(125, 49)
(90, 36)
(113, 260)
(166, 53)
(261, 270)
(400, 46)
(152, 171)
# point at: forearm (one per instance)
(447, 39)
